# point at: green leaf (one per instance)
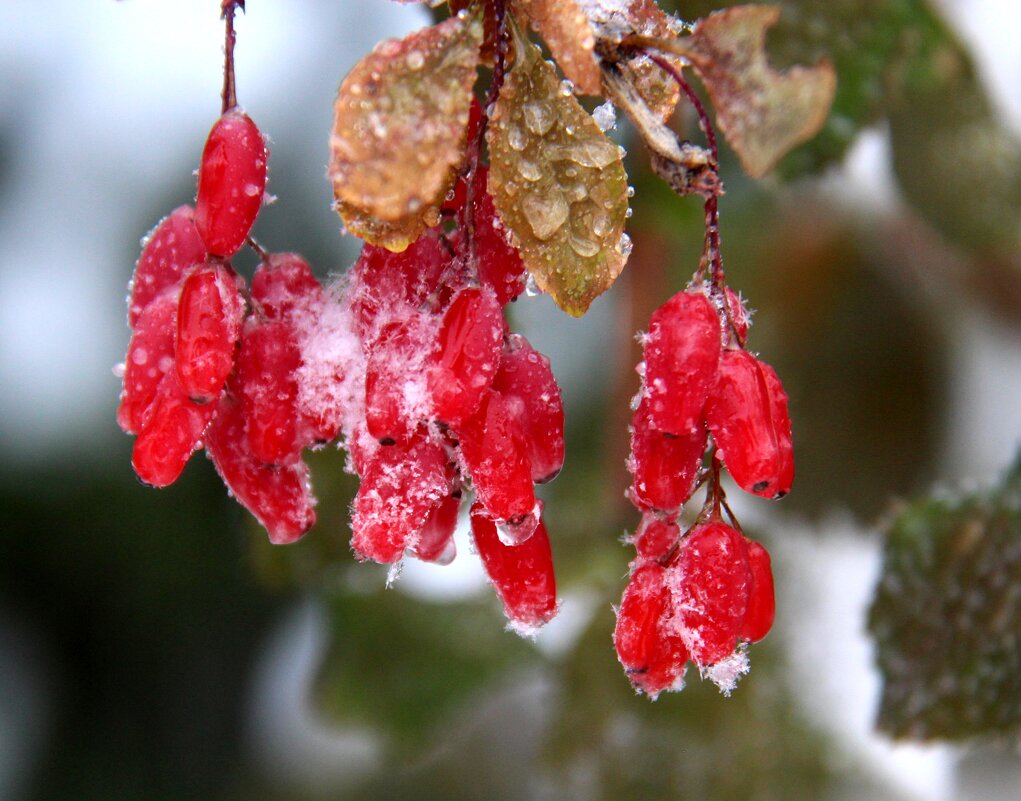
(558, 183)
(399, 129)
(947, 617)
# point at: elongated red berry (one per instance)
(267, 363)
(467, 354)
(395, 394)
(711, 582)
(171, 432)
(499, 263)
(284, 285)
(208, 326)
(232, 181)
(400, 488)
(525, 375)
(170, 250)
(665, 467)
(150, 356)
(385, 285)
(761, 601)
(496, 456)
(653, 657)
(682, 352)
(747, 415)
(279, 496)
(522, 575)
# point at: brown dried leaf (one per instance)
(558, 184)
(763, 113)
(399, 127)
(568, 33)
(612, 22)
(393, 235)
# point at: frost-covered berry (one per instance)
(209, 318)
(284, 285)
(711, 580)
(400, 487)
(522, 574)
(232, 181)
(171, 249)
(682, 351)
(747, 415)
(267, 363)
(653, 657)
(657, 535)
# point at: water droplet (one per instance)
(585, 248)
(600, 224)
(566, 88)
(139, 356)
(546, 213)
(531, 288)
(538, 117)
(516, 139)
(625, 246)
(415, 60)
(630, 191)
(529, 170)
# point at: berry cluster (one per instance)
(408, 358)
(445, 397)
(704, 398)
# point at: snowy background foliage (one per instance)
(152, 645)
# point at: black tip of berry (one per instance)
(779, 495)
(388, 441)
(760, 486)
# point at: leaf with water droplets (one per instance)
(399, 128)
(393, 235)
(947, 617)
(558, 183)
(569, 35)
(762, 112)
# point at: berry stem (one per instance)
(229, 95)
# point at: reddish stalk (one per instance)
(229, 95)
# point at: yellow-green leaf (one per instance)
(558, 183)
(393, 235)
(400, 124)
(763, 113)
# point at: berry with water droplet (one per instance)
(267, 363)
(761, 600)
(522, 575)
(665, 467)
(150, 356)
(208, 326)
(232, 181)
(173, 247)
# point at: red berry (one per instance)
(467, 354)
(525, 375)
(711, 581)
(665, 467)
(395, 394)
(499, 264)
(400, 488)
(279, 496)
(761, 601)
(653, 658)
(232, 181)
(150, 356)
(656, 536)
(284, 285)
(267, 362)
(522, 575)
(172, 247)
(747, 415)
(496, 456)
(208, 327)
(682, 352)
(385, 285)
(171, 432)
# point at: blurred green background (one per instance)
(153, 645)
